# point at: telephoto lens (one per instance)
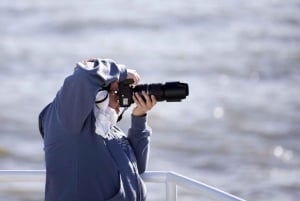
(170, 91)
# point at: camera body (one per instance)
(170, 91)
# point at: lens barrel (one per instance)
(170, 91)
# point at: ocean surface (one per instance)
(238, 130)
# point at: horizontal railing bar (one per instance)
(22, 175)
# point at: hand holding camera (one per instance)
(133, 75)
(144, 103)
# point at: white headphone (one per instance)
(102, 100)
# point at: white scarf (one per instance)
(106, 117)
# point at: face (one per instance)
(113, 97)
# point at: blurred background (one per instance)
(238, 129)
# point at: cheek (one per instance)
(113, 102)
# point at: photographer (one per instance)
(88, 158)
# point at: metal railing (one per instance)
(172, 181)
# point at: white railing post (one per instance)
(171, 191)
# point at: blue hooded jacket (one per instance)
(84, 166)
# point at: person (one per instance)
(87, 157)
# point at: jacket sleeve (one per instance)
(139, 137)
(75, 100)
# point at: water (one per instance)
(239, 128)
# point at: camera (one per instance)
(170, 91)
